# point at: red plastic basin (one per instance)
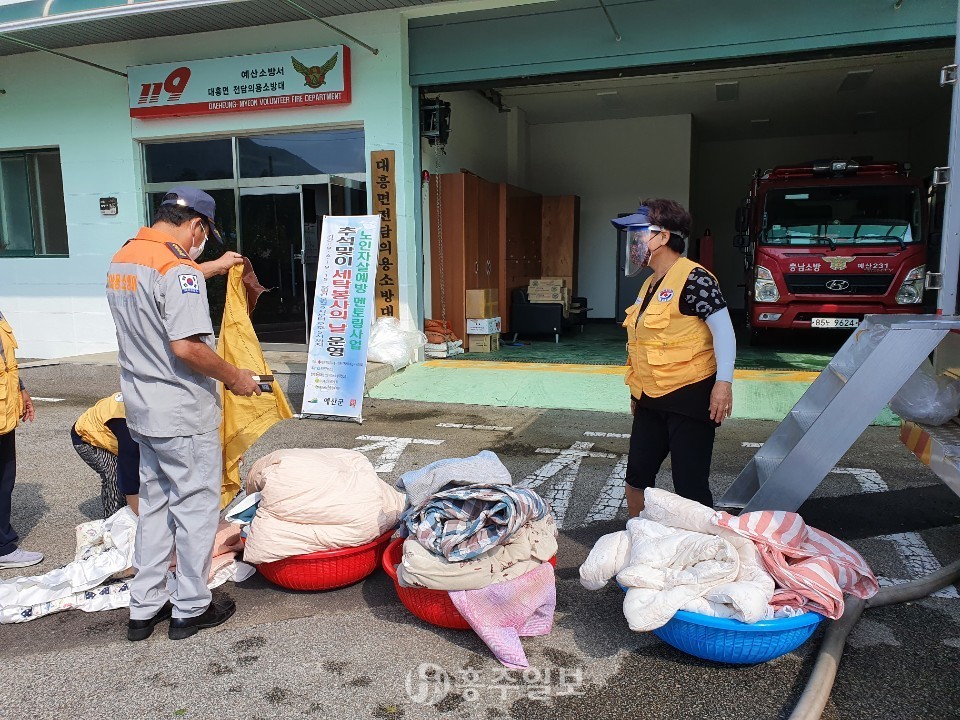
(432, 606)
(327, 569)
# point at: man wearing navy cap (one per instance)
(168, 374)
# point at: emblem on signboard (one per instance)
(839, 263)
(315, 76)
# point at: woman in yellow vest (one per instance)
(15, 405)
(102, 440)
(681, 350)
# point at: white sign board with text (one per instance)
(343, 310)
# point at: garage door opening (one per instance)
(541, 169)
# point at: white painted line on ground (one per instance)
(869, 480)
(461, 426)
(565, 468)
(625, 436)
(919, 559)
(751, 444)
(45, 399)
(392, 447)
(612, 495)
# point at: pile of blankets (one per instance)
(316, 499)
(680, 555)
(441, 341)
(471, 533)
(97, 578)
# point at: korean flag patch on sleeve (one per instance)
(189, 283)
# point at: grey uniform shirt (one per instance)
(157, 295)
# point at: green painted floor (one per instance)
(603, 344)
(757, 395)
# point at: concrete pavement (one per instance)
(358, 653)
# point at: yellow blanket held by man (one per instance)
(245, 419)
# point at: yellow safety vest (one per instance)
(668, 350)
(92, 425)
(11, 402)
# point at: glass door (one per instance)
(272, 236)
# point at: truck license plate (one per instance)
(834, 322)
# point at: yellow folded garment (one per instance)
(245, 419)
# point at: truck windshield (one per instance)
(842, 215)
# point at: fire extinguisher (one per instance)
(706, 250)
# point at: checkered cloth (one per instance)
(484, 468)
(462, 523)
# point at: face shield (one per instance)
(638, 248)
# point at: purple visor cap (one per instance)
(640, 217)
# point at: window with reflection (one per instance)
(189, 161)
(330, 152)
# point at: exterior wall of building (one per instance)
(57, 305)
(571, 36)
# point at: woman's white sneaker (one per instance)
(20, 558)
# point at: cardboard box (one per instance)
(483, 343)
(546, 294)
(483, 326)
(548, 282)
(483, 303)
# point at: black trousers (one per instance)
(8, 475)
(688, 441)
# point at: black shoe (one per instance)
(216, 613)
(142, 629)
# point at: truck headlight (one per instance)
(765, 289)
(911, 291)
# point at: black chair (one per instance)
(542, 318)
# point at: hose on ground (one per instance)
(815, 695)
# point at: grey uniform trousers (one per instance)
(180, 481)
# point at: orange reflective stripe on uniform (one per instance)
(150, 248)
(668, 350)
(92, 425)
(11, 402)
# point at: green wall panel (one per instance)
(573, 35)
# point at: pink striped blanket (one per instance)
(813, 570)
(503, 613)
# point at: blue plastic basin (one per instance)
(732, 641)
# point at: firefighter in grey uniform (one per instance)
(168, 374)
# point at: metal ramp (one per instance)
(874, 363)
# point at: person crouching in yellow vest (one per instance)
(101, 438)
(15, 405)
(681, 349)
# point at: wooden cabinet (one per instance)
(471, 248)
(496, 236)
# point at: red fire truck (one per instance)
(829, 242)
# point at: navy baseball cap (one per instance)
(195, 199)
(640, 217)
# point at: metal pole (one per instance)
(314, 16)
(40, 48)
(950, 253)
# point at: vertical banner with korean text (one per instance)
(343, 311)
(383, 192)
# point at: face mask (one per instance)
(196, 252)
(638, 248)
